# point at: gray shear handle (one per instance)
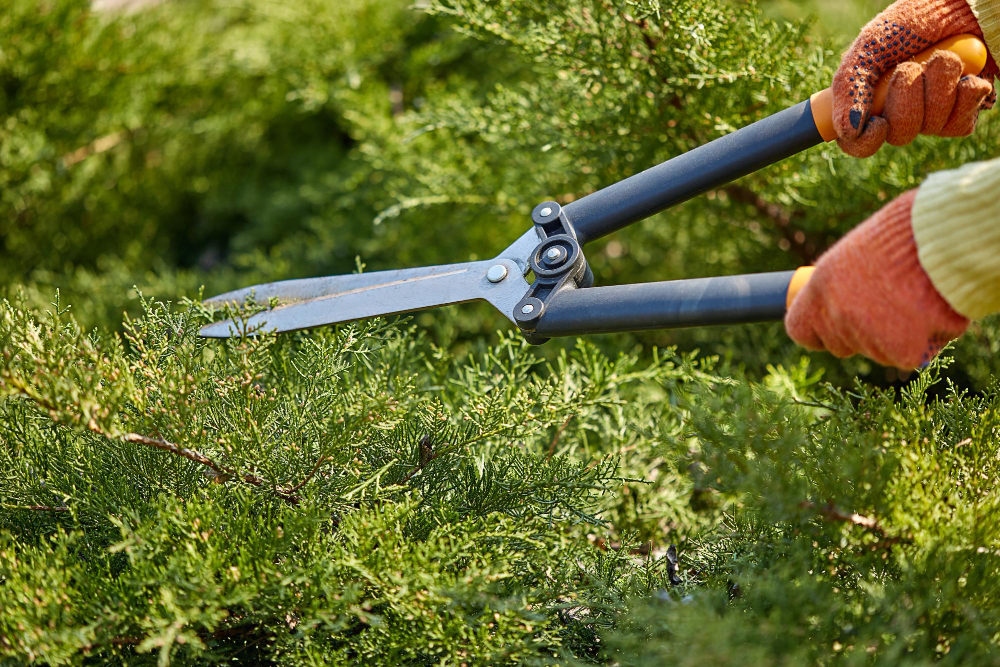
(737, 154)
(758, 297)
(707, 167)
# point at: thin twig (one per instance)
(37, 508)
(221, 473)
(97, 146)
(829, 512)
(555, 438)
(160, 443)
(426, 455)
(643, 549)
(312, 473)
(643, 26)
(651, 43)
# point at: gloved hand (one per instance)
(870, 295)
(923, 99)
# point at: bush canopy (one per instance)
(430, 489)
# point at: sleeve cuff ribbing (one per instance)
(956, 224)
(988, 14)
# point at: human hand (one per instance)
(933, 98)
(870, 295)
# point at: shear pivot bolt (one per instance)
(545, 212)
(496, 273)
(527, 309)
(553, 253)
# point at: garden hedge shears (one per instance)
(562, 301)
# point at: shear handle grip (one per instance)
(759, 297)
(732, 156)
(705, 168)
(969, 48)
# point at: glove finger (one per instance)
(869, 142)
(972, 91)
(903, 30)
(990, 101)
(989, 73)
(834, 343)
(854, 84)
(801, 318)
(904, 106)
(801, 330)
(940, 88)
(809, 324)
(991, 98)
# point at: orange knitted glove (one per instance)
(870, 295)
(930, 99)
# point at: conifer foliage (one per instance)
(353, 493)
(428, 491)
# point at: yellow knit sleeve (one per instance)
(988, 13)
(956, 224)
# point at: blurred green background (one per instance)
(220, 144)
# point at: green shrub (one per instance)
(428, 491)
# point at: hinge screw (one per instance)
(545, 212)
(553, 253)
(496, 273)
(527, 309)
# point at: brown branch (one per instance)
(312, 473)
(38, 508)
(829, 512)
(555, 439)
(799, 242)
(651, 43)
(222, 474)
(643, 26)
(426, 454)
(160, 443)
(643, 549)
(97, 146)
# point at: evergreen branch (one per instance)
(221, 473)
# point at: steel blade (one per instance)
(360, 296)
(302, 289)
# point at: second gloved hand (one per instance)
(931, 99)
(871, 296)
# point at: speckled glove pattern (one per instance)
(930, 99)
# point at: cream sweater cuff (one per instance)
(956, 224)
(988, 14)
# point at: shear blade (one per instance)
(319, 301)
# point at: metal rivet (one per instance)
(545, 212)
(553, 253)
(496, 273)
(527, 309)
